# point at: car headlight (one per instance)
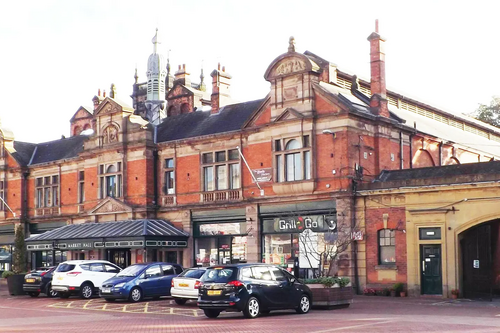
(120, 285)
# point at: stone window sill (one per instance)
(386, 267)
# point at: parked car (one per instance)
(39, 281)
(82, 277)
(139, 281)
(251, 288)
(185, 286)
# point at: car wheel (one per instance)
(64, 295)
(252, 309)
(212, 313)
(304, 305)
(135, 295)
(51, 292)
(180, 301)
(33, 294)
(110, 300)
(86, 291)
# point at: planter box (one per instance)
(15, 284)
(334, 297)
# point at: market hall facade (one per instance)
(233, 179)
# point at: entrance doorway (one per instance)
(431, 277)
(477, 263)
(119, 257)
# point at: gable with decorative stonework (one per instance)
(178, 90)
(111, 205)
(81, 113)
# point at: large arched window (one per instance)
(293, 163)
(387, 247)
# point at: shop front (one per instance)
(221, 237)
(7, 238)
(297, 236)
(123, 242)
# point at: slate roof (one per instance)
(129, 228)
(439, 175)
(58, 149)
(23, 152)
(199, 123)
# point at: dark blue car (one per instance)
(139, 281)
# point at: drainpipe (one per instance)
(353, 225)
(155, 181)
(441, 153)
(401, 151)
(411, 151)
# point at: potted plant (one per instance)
(330, 291)
(15, 278)
(455, 293)
(398, 288)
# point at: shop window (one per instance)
(221, 170)
(169, 177)
(386, 247)
(110, 180)
(47, 191)
(81, 187)
(293, 163)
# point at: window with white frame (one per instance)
(221, 170)
(110, 180)
(81, 187)
(292, 159)
(47, 191)
(169, 176)
(387, 246)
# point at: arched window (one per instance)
(110, 180)
(386, 247)
(77, 130)
(294, 162)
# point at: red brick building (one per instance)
(317, 135)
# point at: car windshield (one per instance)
(65, 268)
(219, 275)
(131, 270)
(192, 273)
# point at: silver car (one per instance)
(185, 286)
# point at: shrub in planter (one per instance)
(331, 292)
(15, 279)
(398, 288)
(369, 291)
(6, 274)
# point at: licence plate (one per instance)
(214, 292)
(106, 290)
(183, 285)
(30, 280)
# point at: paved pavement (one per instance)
(366, 314)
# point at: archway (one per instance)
(480, 260)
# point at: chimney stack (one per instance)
(182, 77)
(220, 89)
(378, 102)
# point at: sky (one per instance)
(56, 54)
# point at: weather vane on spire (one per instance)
(156, 41)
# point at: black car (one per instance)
(39, 281)
(251, 288)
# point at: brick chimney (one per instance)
(378, 101)
(182, 77)
(220, 89)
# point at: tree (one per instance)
(19, 259)
(324, 250)
(488, 113)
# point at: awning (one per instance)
(143, 233)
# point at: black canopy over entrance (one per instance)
(145, 233)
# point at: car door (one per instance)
(96, 274)
(268, 288)
(151, 284)
(169, 272)
(285, 293)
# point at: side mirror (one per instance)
(292, 280)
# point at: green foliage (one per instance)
(19, 259)
(6, 274)
(398, 287)
(329, 281)
(489, 113)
